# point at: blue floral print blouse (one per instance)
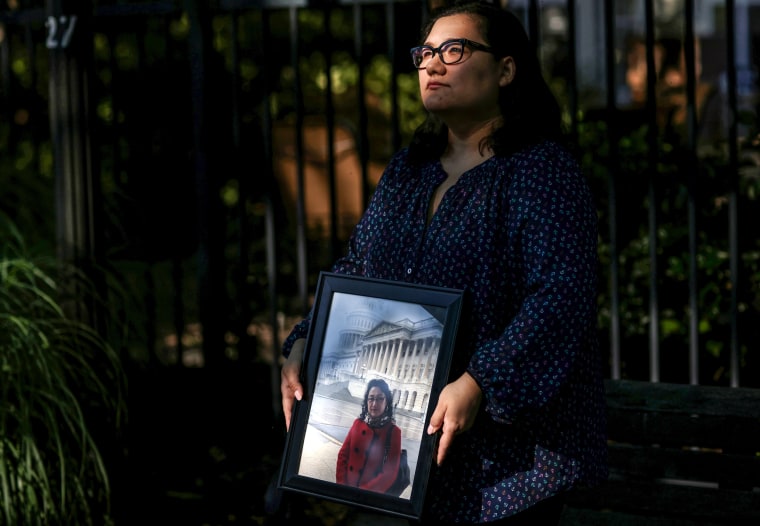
(519, 235)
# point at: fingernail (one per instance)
(430, 430)
(298, 395)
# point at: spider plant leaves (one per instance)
(59, 378)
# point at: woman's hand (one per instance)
(290, 379)
(455, 412)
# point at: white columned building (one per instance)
(374, 344)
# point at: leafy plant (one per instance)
(61, 390)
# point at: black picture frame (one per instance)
(344, 349)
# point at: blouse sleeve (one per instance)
(552, 227)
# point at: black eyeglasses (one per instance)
(373, 399)
(450, 52)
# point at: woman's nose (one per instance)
(435, 64)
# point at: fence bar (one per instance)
(5, 67)
(362, 132)
(572, 76)
(335, 246)
(733, 171)
(390, 13)
(301, 244)
(211, 271)
(612, 163)
(77, 179)
(653, 142)
(692, 175)
(269, 219)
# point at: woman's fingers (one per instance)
(455, 412)
(290, 380)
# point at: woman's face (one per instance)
(376, 402)
(469, 89)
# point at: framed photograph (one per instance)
(377, 356)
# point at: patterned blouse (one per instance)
(519, 235)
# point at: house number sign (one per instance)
(60, 29)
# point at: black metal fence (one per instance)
(214, 155)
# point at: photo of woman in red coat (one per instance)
(362, 458)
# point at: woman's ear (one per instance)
(508, 70)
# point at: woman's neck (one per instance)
(466, 141)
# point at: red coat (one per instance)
(360, 459)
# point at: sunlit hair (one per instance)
(529, 110)
(383, 386)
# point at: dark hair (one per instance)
(377, 382)
(529, 110)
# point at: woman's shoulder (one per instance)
(539, 170)
(399, 159)
(358, 422)
(401, 170)
(544, 150)
(549, 159)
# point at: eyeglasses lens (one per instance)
(449, 52)
(373, 399)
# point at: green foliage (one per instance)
(61, 386)
(412, 114)
(638, 191)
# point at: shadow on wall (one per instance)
(316, 175)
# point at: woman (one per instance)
(487, 199)
(362, 460)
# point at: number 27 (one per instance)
(60, 30)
